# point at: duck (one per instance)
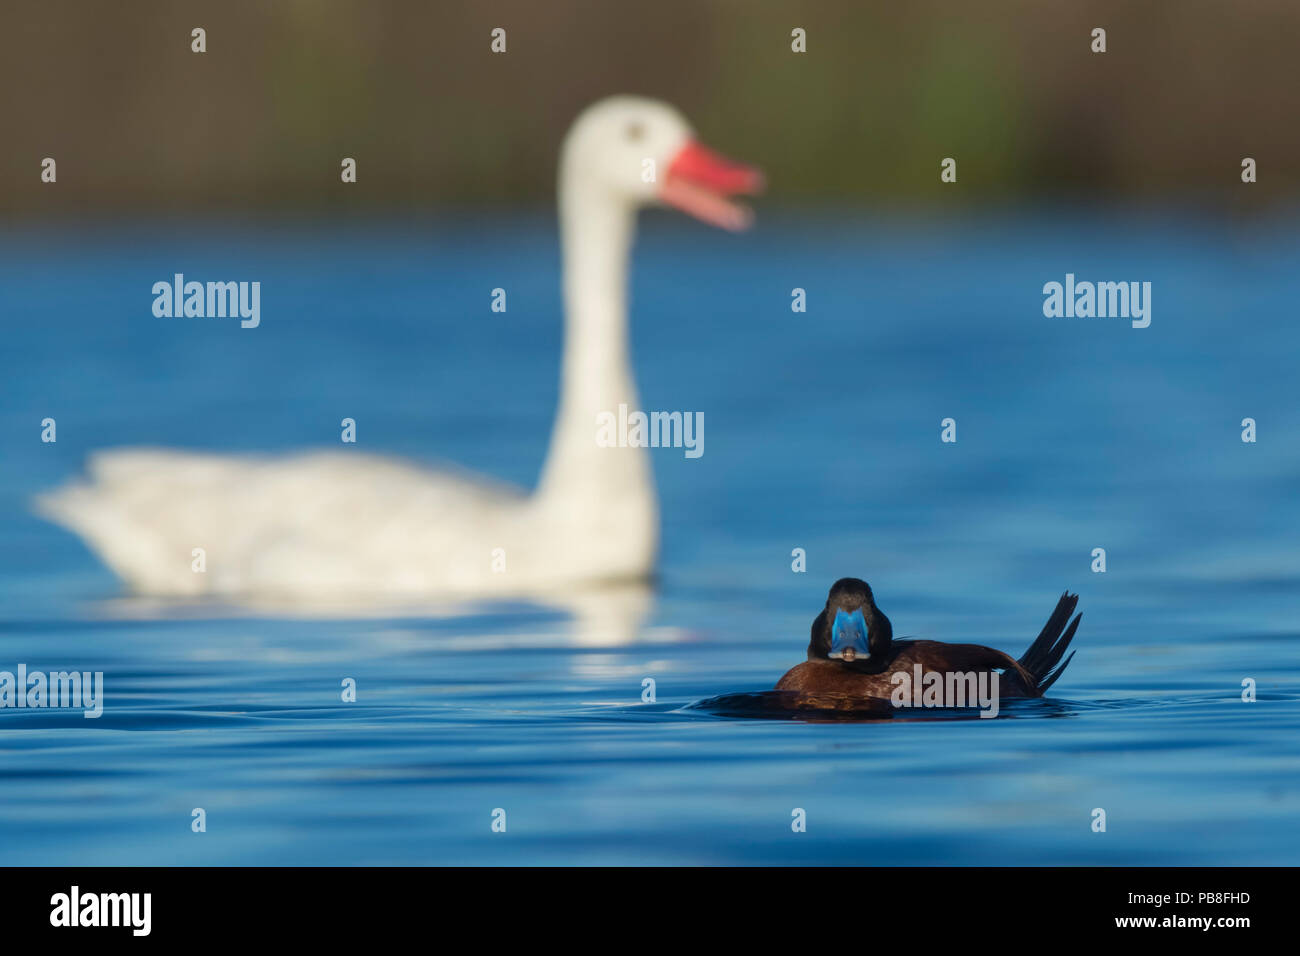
(853, 659)
(331, 525)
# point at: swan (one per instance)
(338, 525)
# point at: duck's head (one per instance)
(851, 627)
(636, 152)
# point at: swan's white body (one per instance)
(346, 525)
(338, 527)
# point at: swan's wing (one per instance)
(330, 517)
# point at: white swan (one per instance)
(342, 525)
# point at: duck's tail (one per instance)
(1043, 656)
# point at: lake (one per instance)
(823, 434)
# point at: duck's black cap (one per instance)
(850, 594)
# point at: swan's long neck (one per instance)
(592, 491)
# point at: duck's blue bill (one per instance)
(849, 636)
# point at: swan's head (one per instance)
(639, 151)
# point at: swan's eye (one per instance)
(635, 132)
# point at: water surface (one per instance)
(822, 434)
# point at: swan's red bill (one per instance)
(701, 182)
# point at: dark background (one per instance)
(140, 124)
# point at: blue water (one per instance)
(822, 434)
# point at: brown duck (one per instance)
(853, 653)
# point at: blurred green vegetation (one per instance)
(287, 88)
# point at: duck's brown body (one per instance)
(830, 677)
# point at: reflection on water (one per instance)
(1072, 435)
(789, 705)
(600, 615)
